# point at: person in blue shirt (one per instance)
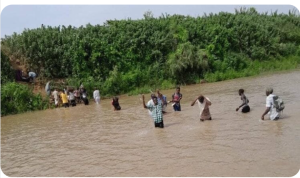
(163, 100)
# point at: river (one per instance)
(96, 141)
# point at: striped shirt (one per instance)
(156, 111)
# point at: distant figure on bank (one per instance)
(115, 103)
(48, 88)
(77, 95)
(55, 96)
(274, 105)
(151, 102)
(64, 99)
(19, 76)
(71, 98)
(156, 110)
(176, 97)
(96, 96)
(164, 102)
(245, 102)
(84, 96)
(32, 76)
(203, 104)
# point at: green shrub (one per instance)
(18, 98)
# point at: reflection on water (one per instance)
(93, 140)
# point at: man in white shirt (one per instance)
(271, 110)
(55, 95)
(150, 102)
(96, 96)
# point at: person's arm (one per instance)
(180, 97)
(266, 112)
(112, 104)
(144, 105)
(192, 104)
(207, 101)
(244, 103)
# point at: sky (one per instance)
(16, 18)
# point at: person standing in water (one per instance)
(96, 96)
(176, 97)
(55, 96)
(115, 103)
(151, 102)
(64, 99)
(156, 109)
(245, 102)
(270, 106)
(163, 102)
(203, 104)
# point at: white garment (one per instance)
(32, 74)
(71, 96)
(270, 104)
(97, 100)
(55, 94)
(96, 96)
(56, 101)
(201, 107)
(150, 102)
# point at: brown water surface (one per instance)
(93, 140)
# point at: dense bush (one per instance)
(18, 98)
(7, 72)
(124, 56)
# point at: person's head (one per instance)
(115, 98)
(241, 91)
(177, 89)
(201, 99)
(157, 91)
(155, 100)
(269, 91)
(152, 95)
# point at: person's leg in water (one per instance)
(245, 109)
(160, 125)
(177, 107)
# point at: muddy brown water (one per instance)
(93, 140)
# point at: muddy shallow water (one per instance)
(93, 140)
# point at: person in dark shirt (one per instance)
(115, 103)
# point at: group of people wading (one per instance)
(71, 96)
(158, 103)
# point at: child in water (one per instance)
(115, 103)
(245, 102)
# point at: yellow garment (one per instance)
(64, 98)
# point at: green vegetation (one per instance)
(136, 56)
(18, 98)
